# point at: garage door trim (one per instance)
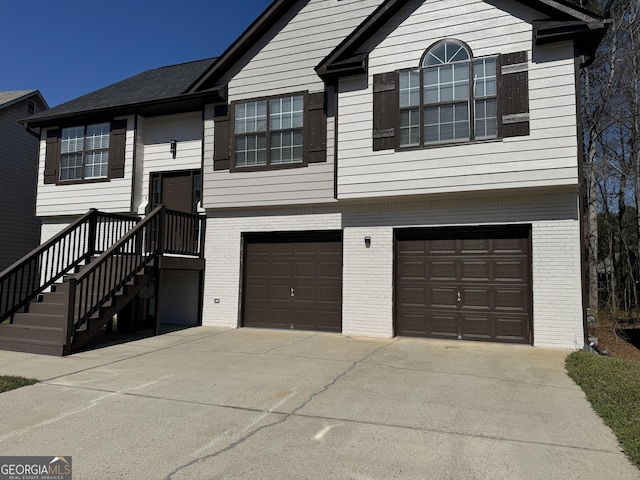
(519, 232)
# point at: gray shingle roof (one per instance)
(151, 85)
(10, 97)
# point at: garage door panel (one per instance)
(280, 269)
(440, 247)
(305, 294)
(511, 328)
(511, 270)
(474, 246)
(443, 298)
(476, 298)
(442, 270)
(278, 292)
(293, 280)
(304, 270)
(414, 322)
(412, 297)
(488, 266)
(258, 292)
(475, 270)
(476, 327)
(510, 245)
(329, 294)
(511, 299)
(330, 270)
(442, 326)
(412, 270)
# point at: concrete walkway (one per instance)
(255, 404)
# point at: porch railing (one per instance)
(161, 231)
(89, 235)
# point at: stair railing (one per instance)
(138, 249)
(23, 281)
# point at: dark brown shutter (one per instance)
(514, 95)
(221, 138)
(385, 110)
(117, 145)
(316, 128)
(52, 156)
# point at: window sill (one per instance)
(448, 144)
(78, 182)
(261, 168)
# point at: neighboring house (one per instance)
(19, 226)
(369, 167)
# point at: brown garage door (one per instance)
(293, 281)
(469, 284)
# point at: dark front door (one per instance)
(467, 284)
(178, 191)
(293, 281)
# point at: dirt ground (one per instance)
(617, 335)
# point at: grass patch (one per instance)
(612, 385)
(9, 383)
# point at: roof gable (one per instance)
(242, 44)
(565, 22)
(10, 98)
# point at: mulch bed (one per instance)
(618, 336)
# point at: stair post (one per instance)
(71, 306)
(158, 253)
(93, 229)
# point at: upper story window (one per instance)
(451, 98)
(84, 152)
(282, 131)
(269, 132)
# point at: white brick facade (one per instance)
(367, 308)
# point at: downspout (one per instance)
(582, 201)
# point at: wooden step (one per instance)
(28, 345)
(40, 319)
(48, 308)
(32, 332)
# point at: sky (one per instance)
(69, 48)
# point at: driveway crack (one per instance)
(285, 416)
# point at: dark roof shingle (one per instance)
(151, 85)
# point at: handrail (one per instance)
(161, 231)
(23, 281)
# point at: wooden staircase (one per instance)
(92, 287)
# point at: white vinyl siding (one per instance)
(548, 156)
(113, 196)
(284, 65)
(186, 129)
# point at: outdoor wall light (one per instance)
(174, 147)
(367, 242)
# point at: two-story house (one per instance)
(19, 226)
(368, 167)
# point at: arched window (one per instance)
(451, 98)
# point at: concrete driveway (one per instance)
(256, 404)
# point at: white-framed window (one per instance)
(84, 152)
(452, 97)
(269, 132)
